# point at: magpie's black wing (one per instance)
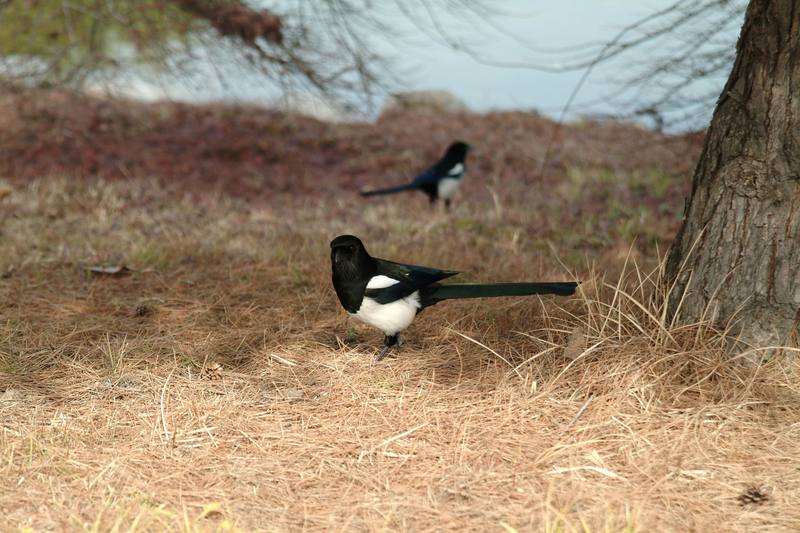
(429, 177)
(409, 278)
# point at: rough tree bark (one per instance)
(736, 259)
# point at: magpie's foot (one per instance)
(388, 342)
(381, 355)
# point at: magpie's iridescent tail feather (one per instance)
(390, 190)
(436, 293)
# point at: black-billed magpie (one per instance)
(439, 181)
(388, 295)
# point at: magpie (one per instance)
(388, 295)
(439, 181)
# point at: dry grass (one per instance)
(220, 387)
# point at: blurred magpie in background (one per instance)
(439, 181)
(388, 295)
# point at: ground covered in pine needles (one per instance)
(214, 383)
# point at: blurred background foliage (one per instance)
(64, 43)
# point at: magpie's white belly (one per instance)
(447, 187)
(391, 318)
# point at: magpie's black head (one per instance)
(349, 258)
(457, 152)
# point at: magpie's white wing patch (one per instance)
(381, 282)
(457, 170)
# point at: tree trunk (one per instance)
(736, 259)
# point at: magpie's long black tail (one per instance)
(450, 291)
(389, 190)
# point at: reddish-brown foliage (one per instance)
(236, 19)
(251, 151)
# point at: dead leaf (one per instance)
(576, 344)
(213, 371)
(110, 270)
(754, 496)
(211, 510)
(5, 190)
(142, 310)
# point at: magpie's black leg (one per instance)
(388, 342)
(447, 204)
